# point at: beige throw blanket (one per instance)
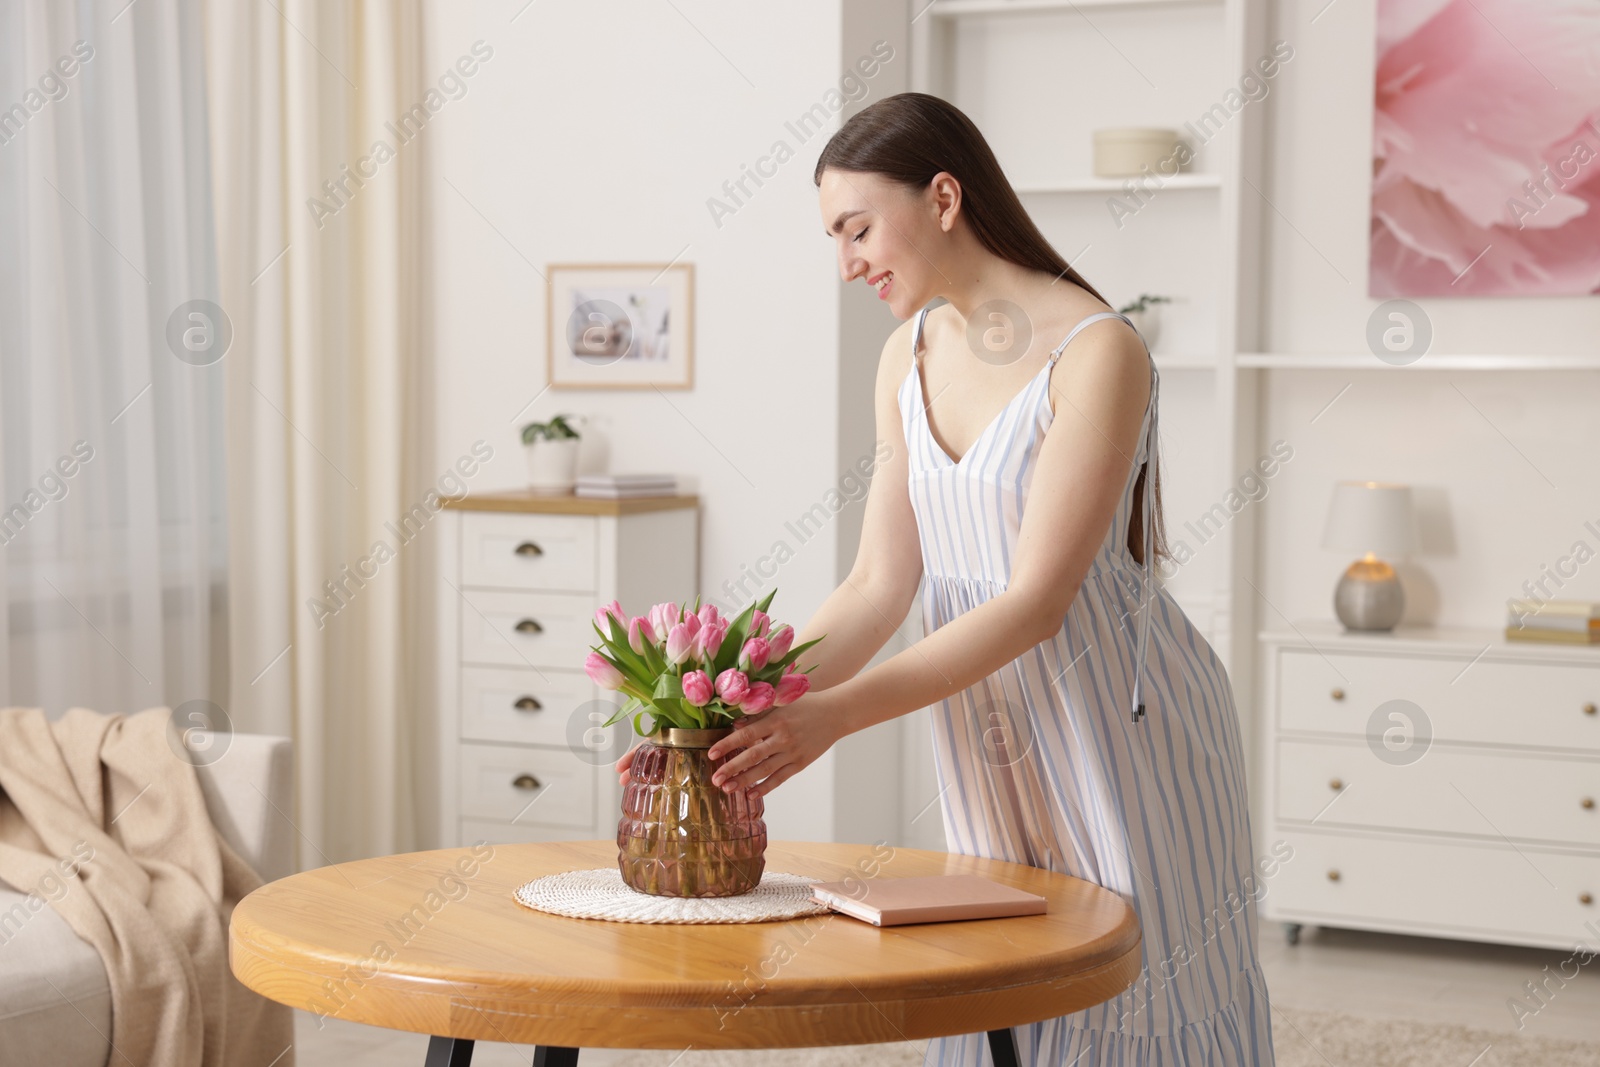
(106, 802)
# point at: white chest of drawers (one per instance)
(521, 754)
(1432, 781)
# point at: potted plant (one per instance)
(1142, 313)
(695, 674)
(552, 455)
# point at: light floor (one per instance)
(1372, 975)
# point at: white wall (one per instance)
(593, 136)
(1503, 463)
(601, 138)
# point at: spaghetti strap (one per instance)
(1148, 446)
(1096, 317)
(916, 335)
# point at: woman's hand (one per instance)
(624, 766)
(778, 743)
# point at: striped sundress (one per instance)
(1050, 762)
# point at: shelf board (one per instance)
(1347, 361)
(1115, 185)
(1184, 361)
(959, 8)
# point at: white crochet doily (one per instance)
(602, 894)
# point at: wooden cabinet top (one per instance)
(1327, 635)
(520, 500)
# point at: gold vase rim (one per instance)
(677, 737)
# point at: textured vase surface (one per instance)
(680, 835)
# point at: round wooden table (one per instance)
(434, 943)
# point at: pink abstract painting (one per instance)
(1486, 148)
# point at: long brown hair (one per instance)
(910, 137)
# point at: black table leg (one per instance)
(449, 1052)
(1003, 1047)
(554, 1056)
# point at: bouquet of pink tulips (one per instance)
(694, 668)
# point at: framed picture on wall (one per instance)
(620, 325)
(1485, 148)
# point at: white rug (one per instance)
(1303, 1038)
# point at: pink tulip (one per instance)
(759, 698)
(602, 670)
(708, 638)
(678, 639)
(711, 635)
(613, 608)
(759, 623)
(697, 688)
(755, 654)
(663, 617)
(640, 634)
(732, 685)
(780, 641)
(709, 614)
(791, 687)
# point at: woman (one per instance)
(1081, 723)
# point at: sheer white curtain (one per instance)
(112, 534)
(328, 419)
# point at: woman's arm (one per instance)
(857, 621)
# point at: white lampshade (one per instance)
(1374, 517)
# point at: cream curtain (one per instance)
(328, 418)
(111, 480)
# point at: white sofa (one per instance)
(55, 1002)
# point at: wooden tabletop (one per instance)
(433, 942)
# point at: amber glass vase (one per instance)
(680, 835)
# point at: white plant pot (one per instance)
(552, 465)
(1148, 323)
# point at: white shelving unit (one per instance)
(1038, 77)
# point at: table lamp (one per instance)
(1373, 518)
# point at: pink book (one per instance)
(928, 898)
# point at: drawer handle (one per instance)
(1335, 784)
(528, 704)
(1333, 875)
(528, 548)
(1585, 898)
(1590, 709)
(1587, 803)
(529, 626)
(1337, 694)
(527, 781)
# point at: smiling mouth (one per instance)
(883, 283)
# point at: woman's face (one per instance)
(878, 227)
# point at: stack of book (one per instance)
(623, 486)
(1568, 622)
